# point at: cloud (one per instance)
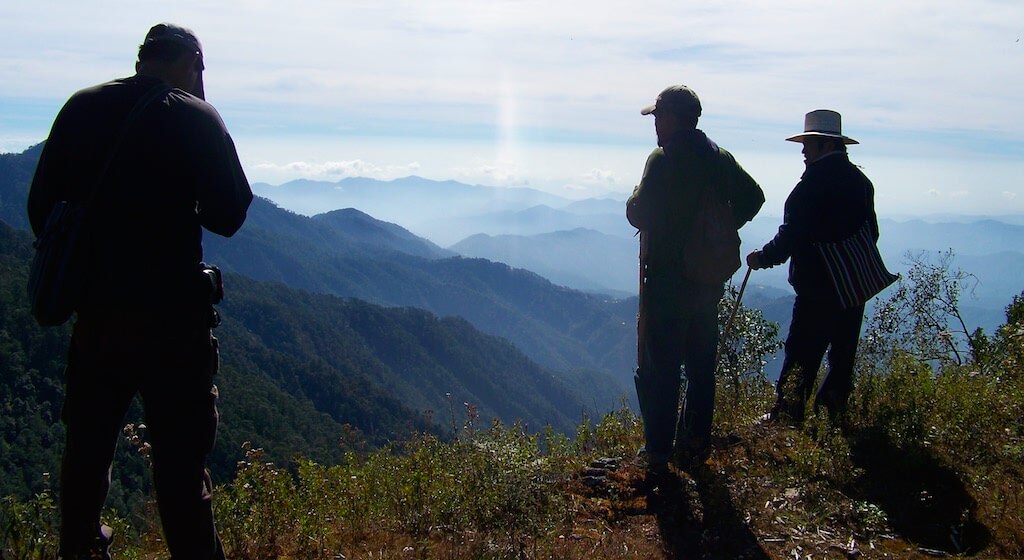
(340, 169)
(948, 195)
(504, 74)
(603, 176)
(499, 175)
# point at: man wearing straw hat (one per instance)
(688, 181)
(832, 201)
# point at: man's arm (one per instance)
(745, 194)
(42, 194)
(872, 217)
(794, 231)
(642, 207)
(222, 192)
(62, 172)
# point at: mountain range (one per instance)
(341, 319)
(520, 304)
(588, 245)
(296, 368)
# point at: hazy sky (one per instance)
(548, 94)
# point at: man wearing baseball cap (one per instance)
(153, 165)
(832, 201)
(689, 186)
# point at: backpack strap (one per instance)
(152, 94)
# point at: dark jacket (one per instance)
(830, 203)
(176, 172)
(664, 204)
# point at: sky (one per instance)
(547, 95)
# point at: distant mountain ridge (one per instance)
(350, 358)
(579, 257)
(560, 328)
(350, 254)
(353, 254)
(522, 235)
(365, 230)
(16, 172)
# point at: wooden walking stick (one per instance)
(728, 327)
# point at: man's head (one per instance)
(823, 134)
(174, 54)
(676, 108)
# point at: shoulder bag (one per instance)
(856, 268)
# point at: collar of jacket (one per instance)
(830, 154)
(830, 159)
(691, 140)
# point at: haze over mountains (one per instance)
(431, 331)
(554, 277)
(588, 245)
(404, 301)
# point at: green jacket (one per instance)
(664, 204)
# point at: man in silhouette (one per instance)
(832, 201)
(144, 319)
(678, 323)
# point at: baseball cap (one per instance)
(677, 99)
(173, 33)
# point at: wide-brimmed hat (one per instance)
(823, 123)
(676, 99)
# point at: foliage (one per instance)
(16, 172)
(29, 528)
(485, 491)
(743, 391)
(911, 476)
(380, 369)
(921, 315)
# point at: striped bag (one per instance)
(856, 268)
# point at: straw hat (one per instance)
(823, 123)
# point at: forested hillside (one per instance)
(560, 328)
(296, 367)
(15, 176)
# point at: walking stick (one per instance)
(728, 327)
(736, 306)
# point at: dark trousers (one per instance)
(818, 325)
(171, 365)
(679, 327)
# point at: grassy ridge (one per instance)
(929, 465)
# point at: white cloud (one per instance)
(339, 169)
(605, 177)
(919, 79)
(498, 174)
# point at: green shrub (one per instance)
(29, 528)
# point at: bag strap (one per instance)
(140, 105)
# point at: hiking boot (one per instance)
(99, 549)
(780, 417)
(657, 463)
(690, 456)
(653, 457)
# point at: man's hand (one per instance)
(754, 260)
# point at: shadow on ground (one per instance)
(924, 500)
(697, 519)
